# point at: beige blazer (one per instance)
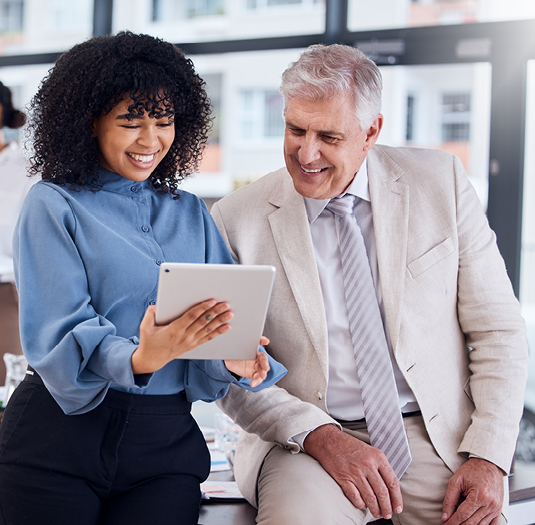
(453, 320)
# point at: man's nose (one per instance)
(309, 151)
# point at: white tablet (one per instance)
(246, 288)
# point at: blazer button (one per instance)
(320, 396)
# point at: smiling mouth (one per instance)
(144, 159)
(312, 171)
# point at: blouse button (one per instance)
(135, 189)
(320, 396)
(158, 262)
(152, 302)
(144, 229)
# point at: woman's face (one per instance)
(132, 148)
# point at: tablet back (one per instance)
(246, 288)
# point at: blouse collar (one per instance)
(116, 183)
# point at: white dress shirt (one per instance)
(344, 401)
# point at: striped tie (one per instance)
(374, 366)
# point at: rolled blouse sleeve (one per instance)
(222, 378)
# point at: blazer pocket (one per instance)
(434, 255)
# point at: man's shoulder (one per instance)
(404, 155)
(273, 186)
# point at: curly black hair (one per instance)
(87, 81)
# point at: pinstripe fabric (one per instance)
(374, 367)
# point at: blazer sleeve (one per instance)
(489, 316)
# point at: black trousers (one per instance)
(132, 460)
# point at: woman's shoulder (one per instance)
(47, 195)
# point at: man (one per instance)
(450, 330)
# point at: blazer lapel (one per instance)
(291, 234)
(390, 210)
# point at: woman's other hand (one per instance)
(255, 369)
(159, 345)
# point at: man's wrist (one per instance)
(319, 438)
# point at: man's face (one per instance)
(324, 146)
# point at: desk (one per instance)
(223, 513)
(522, 497)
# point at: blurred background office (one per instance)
(458, 75)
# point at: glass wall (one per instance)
(526, 445)
(213, 20)
(527, 287)
(445, 107)
(387, 14)
(248, 117)
(34, 26)
(441, 107)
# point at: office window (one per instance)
(257, 4)
(444, 107)
(68, 16)
(525, 456)
(384, 14)
(214, 20)
(527, 281)
(456, 117)
(261, 115)
(205, 7)
(11, 16)
(165, 10)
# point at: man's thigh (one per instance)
(294, 489)
(424, 484)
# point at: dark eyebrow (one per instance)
(127, 116)
(131, 116)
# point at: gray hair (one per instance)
(325, 71)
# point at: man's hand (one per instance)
(363, 472)
(479, 485)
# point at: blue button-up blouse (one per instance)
(86, 267)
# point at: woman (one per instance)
(100, 431)
(14, 184)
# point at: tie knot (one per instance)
(342, 205)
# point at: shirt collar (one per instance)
(116, 183)
(358, 187)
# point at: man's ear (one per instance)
(372, 133)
